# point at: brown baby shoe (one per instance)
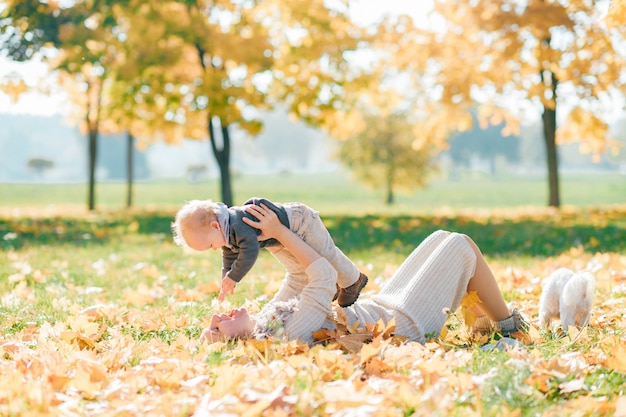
(347, 296)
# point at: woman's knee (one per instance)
(440, 234)
(472, 243)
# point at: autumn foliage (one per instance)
(101, 316)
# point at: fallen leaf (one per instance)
(572, 386)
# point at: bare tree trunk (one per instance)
(390, 176)
(93, 152)
(92, 119)
(222, 156)
(390, 160)
(549, 133)
(130, 146)
(390, 196)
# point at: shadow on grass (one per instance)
(544, 234)
(497, 237)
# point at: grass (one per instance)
(332, 193)
(149, 300)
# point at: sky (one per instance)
(364, 12)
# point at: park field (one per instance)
(332, 193)
(100, 313)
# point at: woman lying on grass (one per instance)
(430, 282)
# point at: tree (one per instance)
(115, 61)
(617, 14)
(499, 52)
(313, 72)
(242, 57)
(78, 43)
(382, 154)
(40, 165)
(223, 49)
(486, 141)
(144, 94)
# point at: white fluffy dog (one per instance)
(567, 296)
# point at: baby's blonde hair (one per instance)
(193, 214)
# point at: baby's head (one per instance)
(197, 226)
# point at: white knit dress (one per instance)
(432, 280)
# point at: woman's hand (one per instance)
(212, 333)
(237, 323)
(268, 222)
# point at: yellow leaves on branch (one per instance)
(14, 88)
(590, 131)
(489, 114)
(616, 16)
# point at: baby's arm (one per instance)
(237, 263)
(228, 287)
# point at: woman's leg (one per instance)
(412, 264)
(295, 277)
(430, 283)
(434, 279)
(484, 283)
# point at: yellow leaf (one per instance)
(353, 342)
(133, 227)
(468, 303)
(617, 357)
(377, 367)
(369, 350)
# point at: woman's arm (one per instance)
(315, 298)
(271, 227)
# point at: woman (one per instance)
(432, 280)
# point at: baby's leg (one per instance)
(306, 223)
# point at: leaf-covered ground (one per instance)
(101, 314)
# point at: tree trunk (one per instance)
(390, 158)
(130, 146)
(390, 176)
(390, 197)
(93, 151)
(222, 156)
(549, 133)
(92, 120)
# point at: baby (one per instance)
(204, 224)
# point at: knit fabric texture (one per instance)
(302, 304)
(428, 284)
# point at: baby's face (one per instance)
(205, 237)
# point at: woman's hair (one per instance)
(195, 213)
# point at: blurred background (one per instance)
(391, 98)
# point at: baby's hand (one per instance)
(228, 287)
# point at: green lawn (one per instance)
(100, 312)
(333, 193)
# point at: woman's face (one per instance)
(228, 326)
